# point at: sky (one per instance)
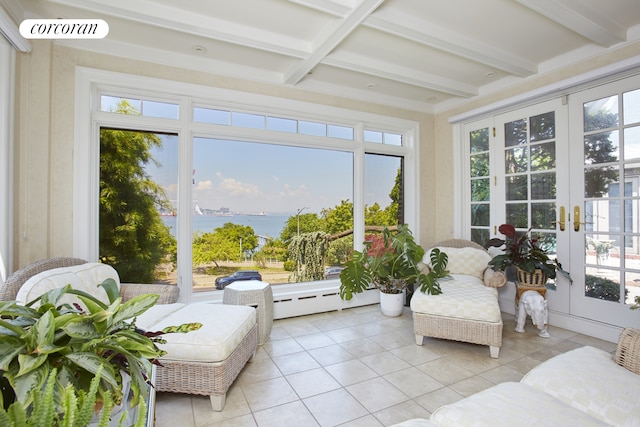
(252, 177)
(249, 177)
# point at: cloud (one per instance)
(204, 185)
(236, 188)
(289, 191)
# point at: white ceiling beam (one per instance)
(331, 37)
(365, 95)
(176, 19)
(395, 72)
(441, 38)
(326, 6)
(10, 31)
(580, 18)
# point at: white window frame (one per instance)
(7, 84)
(90, 83)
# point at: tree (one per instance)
(308, 222)
(133, 238)
(599, 149)
(338, 219)
(309, 250)
(231, 241)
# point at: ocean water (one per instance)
(263, 225)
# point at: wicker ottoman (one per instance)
(256, 294)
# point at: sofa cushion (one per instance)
(462, 297)
(511, 404)
(471, 261)
(85, 277)
(589, 380)
(155, 314)
(223, 327)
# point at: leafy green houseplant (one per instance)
(79, 408)
(523, 252)
(391, 262)
(78, 342)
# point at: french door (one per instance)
(518, 175)
(605, 202)
(569, 170)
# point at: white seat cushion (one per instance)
(84, 277)
(511, 404)
(462, 297)
(589, 380)
(223, 327)
(155, 314)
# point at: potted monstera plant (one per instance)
(77, 341)
(390, 262)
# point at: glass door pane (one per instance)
(480, 183)
(530, 175)
(137, 206)
(606, 235)
(251, 200)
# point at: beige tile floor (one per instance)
(357, 367)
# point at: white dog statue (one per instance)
(534, 305)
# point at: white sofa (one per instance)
(203, 362)
(583, 387)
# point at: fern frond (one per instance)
(70, 407)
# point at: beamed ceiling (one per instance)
(424, 55)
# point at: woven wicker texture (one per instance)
(476, 332)
(261, 299)
(206, 378)
(168, 294)
(537, 278)
(450, 328)
(628, 350)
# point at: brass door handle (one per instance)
(576, 219)
(561, 220)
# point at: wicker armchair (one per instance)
(628, 350)
(179, 375)
(460, 329)
(168, 293)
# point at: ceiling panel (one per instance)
(406, 53)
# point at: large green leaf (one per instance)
(10, 347)
(355, 278)
(30, 362)
(135, 307)
(80, 328)
(111, 288)
(33, 380)
(43, 331)
(91, 363)
(13, 327)
(11, 309)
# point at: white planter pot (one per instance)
(392, 305)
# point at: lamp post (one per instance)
(298, 217)
(298, 220)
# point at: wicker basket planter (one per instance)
(535, 279)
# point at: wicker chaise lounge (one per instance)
(467, 310)
(203, 362)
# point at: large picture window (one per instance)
(214, 186)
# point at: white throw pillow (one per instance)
(84, 277)
(470, 261)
